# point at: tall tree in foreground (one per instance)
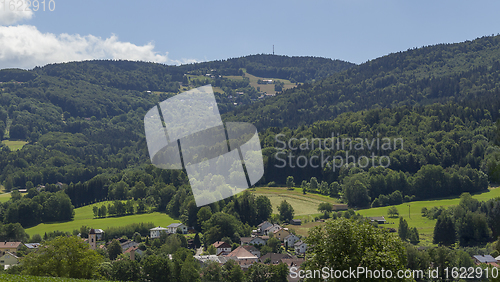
(63, 257)
(342, 244)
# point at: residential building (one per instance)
(12, 247)
(300, 247)
(253, 240)
(32, 246)
(222, 248)
(290, 240)
(127, 244)
(253, 250)
(478, 259)
(99, 233)
(273, 258)
(280, 234)
(377, 219)
(296, 222)
(271, 229)
(155, 232)
(172, 228)
(263, 226)
(8, 259)
(241, 254)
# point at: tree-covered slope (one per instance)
(440, 73)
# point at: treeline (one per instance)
(37, 207)
(471, 223)
(432, 151)
(459, 72)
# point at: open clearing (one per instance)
(413, 215)
(85, 216)
(302, 204)
(305, 207)
(14, 145)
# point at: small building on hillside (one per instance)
(252, 241)
(241, 254)
(253, 250)
(11, 247)
(172, 228)
(8, 259)
(290, 240)
(280, 234)
(300, 247)
(263, 226)
(487, 259)
(222, 248)
(156, 232)
(296, 222)
(377, 219)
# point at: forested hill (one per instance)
(458, 72)
(144, 76)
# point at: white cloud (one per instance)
(24, 46)
(11, 14)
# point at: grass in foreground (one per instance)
(28, 278)
(14, 145)
(85, 216)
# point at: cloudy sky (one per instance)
(176, 32)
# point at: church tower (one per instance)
(92, 239)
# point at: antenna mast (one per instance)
(273, 49)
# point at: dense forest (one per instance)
(83, 125)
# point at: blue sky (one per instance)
(175, 32)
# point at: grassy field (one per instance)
(14, 145)
(5, 197)
(85, 216)
(304, 205)
(413, 215)
(26, 278)
(268, 88)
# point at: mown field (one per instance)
(85, 216)
(306, 206)
(6, 196)
(302, 204)
(28, 278)
(14, 145)
(268, 88)
(412, 213)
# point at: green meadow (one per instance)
(85, 216)
(14, 145)
(412, 213)
(306, 208)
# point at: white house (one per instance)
(172, 228)
(155, 232)
(291, 239)
(271, 229)
(252, 241)
(99, 233)
(263, 227)
(300, 247)
(222, 248)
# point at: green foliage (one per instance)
(403, 230)
(289, 182)
(286, 211)
(392, 212)
(63, 257)
(157, 268)
(343, 244)
(444, 231)
(114, 249)
(222, 225)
